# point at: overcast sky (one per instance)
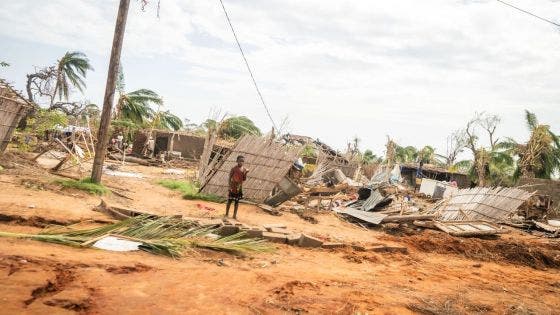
(414, 70)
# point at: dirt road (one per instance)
(440, 274)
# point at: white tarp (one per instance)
(116, 244)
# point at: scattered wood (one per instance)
(407, 218)
(268, 209)
(117, 212)
(470, 228)
(482, 203)
(425, 224)
(119, 157)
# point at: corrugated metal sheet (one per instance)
(374, 199)
(370, 217)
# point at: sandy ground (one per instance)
(514, 274)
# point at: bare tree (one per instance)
(456, 143)
(490, 123)
(41, 83)
(481, 156)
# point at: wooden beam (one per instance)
(103, 133)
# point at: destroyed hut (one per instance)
(408, 173)
(176, 144)
(269, 163)
(13, 107)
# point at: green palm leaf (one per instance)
(136, 106)
(72, 69)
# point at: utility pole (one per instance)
(103, 133)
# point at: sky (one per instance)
(412, 70)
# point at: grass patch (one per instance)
(189, 190)
(85, 184)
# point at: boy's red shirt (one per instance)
(237, 176)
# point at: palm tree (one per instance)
(71, 70)
(490, 167)
(540, 156)
(166, 120)
(237, 126)
(136, 106)
(406, 154)
(369, 158)
(308, 151)
(427, 155)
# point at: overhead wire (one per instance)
(248, 67)
(529, 13)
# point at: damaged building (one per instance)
(409, 170)
(176, 144)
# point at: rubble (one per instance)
(329, 245)
(274, 237)
(309, 241)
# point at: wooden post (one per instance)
(103, 133)
(170, 145)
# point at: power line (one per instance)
(248, 67)
(531, 14)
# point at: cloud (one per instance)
(413, 69)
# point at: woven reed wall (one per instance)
(268, 162)
(12, 108)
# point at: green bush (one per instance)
(189, 190)
(46, 120)
(85, 184)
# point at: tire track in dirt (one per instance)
(63, 276)
(64, 289)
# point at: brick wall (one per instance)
(544, 187)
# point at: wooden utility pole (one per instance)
(103, 133)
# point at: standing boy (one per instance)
(237, 176)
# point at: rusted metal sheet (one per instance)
(268, 162)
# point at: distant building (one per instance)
(182, 144)
(408, 173)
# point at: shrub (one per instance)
(189, 190)
(85, 184)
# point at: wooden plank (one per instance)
(469, 228)
(492, 204)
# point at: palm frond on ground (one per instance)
(168, 236)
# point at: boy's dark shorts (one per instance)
(235, 196)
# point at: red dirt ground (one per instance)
(441, 274)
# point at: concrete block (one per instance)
(210, 222)
(330, 245)
(309, 241)
(274, 237)
(274, 225)
(252, 233)
(388, 249)
(280, 230)
(228, 230)
(293, 239)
